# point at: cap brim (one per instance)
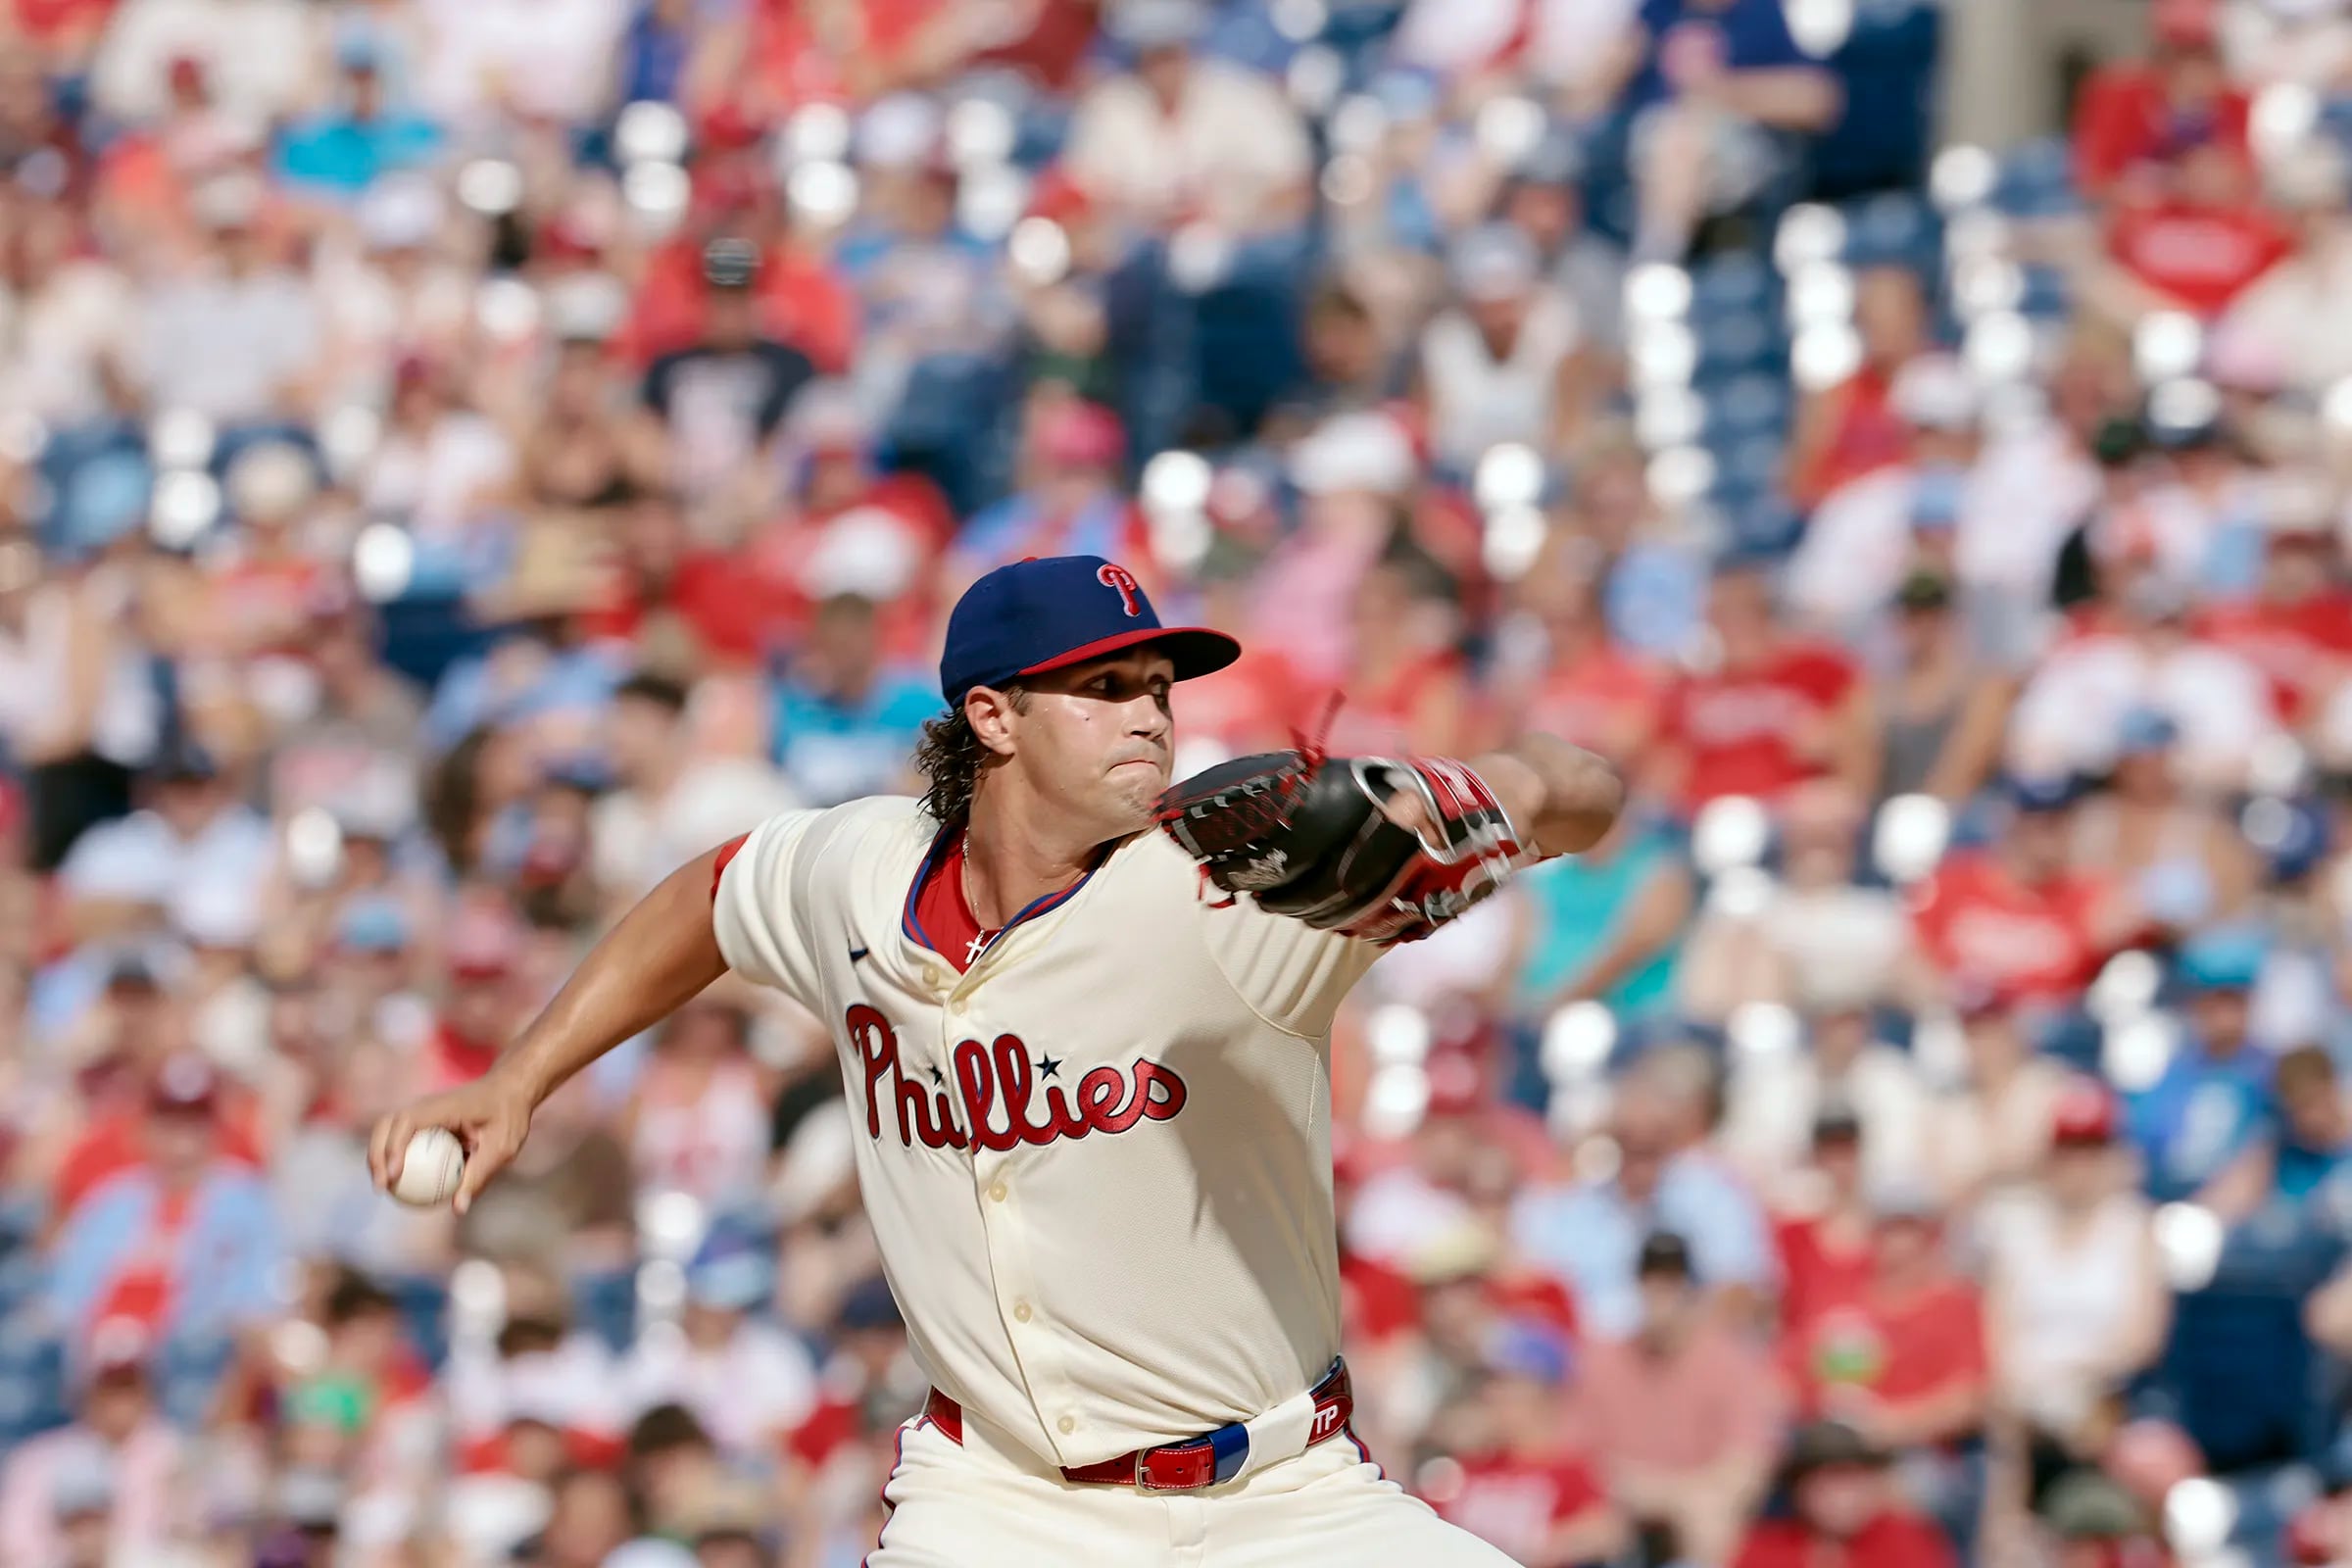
(1193, 650)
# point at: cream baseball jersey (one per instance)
(1099, 1161)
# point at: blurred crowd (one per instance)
(459, 458)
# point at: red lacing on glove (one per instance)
(1314, 749)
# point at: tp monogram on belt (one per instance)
(1191, 1465)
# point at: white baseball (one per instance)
(430, 1168)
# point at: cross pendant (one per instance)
(976, 947)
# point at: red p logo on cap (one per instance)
(1123, 580)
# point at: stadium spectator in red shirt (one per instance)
(1847, 1511)
(1851, 429)
(799, 300)
(2296, 627)
(2137, 117)
(482, 1008)
(737, 611)
(2198, 245)
(1407, 690)
(121, 1098)
(1520, 1483)
(1772, 710)
(2017, 921)
(1591, 691)
(67, 31)
(1825, 1246)
(1905, 1363)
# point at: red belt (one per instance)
(1187, 1467)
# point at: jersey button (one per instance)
(959, 1007)
(1000, 1192)
(1020, 1312)
(930, 977)
(1068, 1424)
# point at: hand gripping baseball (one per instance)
(1386, 850)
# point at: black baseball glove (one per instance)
(1306, 836)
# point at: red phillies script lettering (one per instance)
(1105, 1100)
(1123, 580)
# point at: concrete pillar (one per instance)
(2009, 65)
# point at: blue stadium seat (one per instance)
(2268, 1499)
(1752, 406)
(1897, 228)
(2336, 119)
(1358, 29)
(33, 1380)
(1752, 463)
(2038, 180)
(188, 1369)
(94, 483)
(605, 1303)
(22, 1274)
(1732, 501)
(1245, 34)
(1766, 523)
(1739, 344)
(2047, 296)
(2075, 1037)
(1733, 284)
(1040, 129)
(22, 1217)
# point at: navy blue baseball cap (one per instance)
(1045, 612)
(2035, 794)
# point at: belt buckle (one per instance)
(1228, 1450)
(1143, 1470)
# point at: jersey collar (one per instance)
(912, 928)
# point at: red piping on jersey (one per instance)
(897, 1457)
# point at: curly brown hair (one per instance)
(949, 755)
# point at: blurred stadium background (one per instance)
(461, 458)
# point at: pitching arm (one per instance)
(660, 956)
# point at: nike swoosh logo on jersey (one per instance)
(857, 955)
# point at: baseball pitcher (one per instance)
(1083, 1020)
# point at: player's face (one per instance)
(1097, 739)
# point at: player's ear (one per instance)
(990, 712)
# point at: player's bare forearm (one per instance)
(1562, 796)
(658, 957)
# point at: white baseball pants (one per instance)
(990, 1504)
